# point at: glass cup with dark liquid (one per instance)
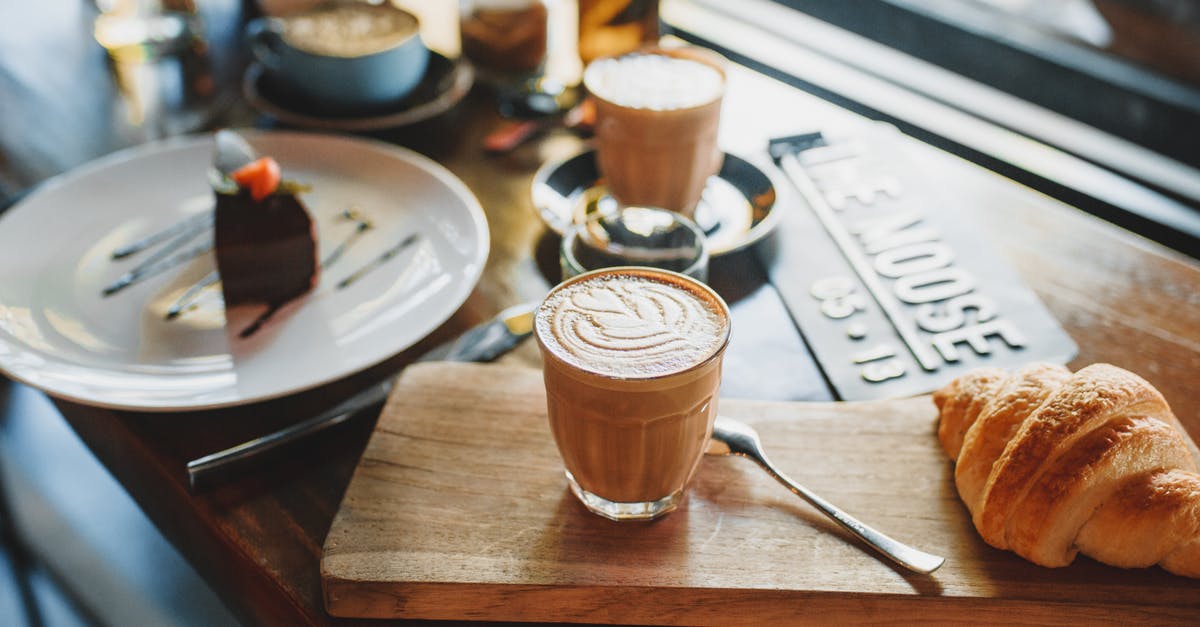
(632, 366)
(505, 40)
(612, 27)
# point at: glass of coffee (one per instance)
(657, 115)
(635, 236)
(632, 366)
(504, 39)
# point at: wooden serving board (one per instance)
(459, 510)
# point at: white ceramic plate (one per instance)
(59, 334)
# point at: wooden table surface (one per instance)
(258, 538)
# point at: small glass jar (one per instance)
(635, 236)
(505, 40)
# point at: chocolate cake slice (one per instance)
(266, 248)
(265, 241)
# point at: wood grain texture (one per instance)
(459, 508)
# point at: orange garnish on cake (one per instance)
(261, 177)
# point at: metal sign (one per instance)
(894, 291)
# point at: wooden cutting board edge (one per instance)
(706, 606)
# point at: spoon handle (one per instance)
(904, 555)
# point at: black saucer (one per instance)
(737, 208)
(445, 83)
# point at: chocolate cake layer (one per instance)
(266, 251)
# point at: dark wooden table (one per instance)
(257, 539)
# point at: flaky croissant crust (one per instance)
(1051, 464)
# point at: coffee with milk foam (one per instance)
(349, 30)
(631, 358)
(632, 326)
(654, 81)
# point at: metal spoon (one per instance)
(731, 437)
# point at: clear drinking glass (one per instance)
(635, 236)
(631, 358)
(658, 112)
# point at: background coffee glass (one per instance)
(635, 236)
(343, 55)
(655, 134)
(632, 366)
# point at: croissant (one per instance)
(1051, 463)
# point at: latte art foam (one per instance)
(631, 326)
(654, 81)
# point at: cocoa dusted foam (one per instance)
(655, 82)
(632, 325)
(349, 29)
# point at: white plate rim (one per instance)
(437, 171)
